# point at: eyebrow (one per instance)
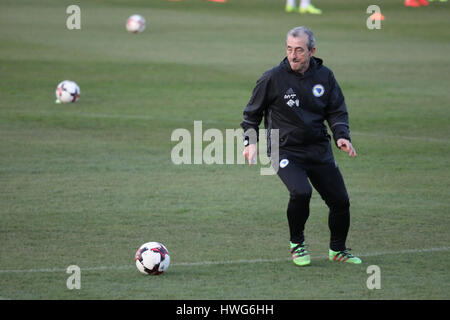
(287, 46)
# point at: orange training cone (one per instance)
(377, 16)
(412, 3)
(423, 2)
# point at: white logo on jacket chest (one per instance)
(318, 90)
(291, 98)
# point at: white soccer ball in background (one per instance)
(67, 92)
(135, 24)
(152, 258)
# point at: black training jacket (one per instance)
(298, 105)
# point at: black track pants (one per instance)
(328, 181)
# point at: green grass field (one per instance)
(88, 183)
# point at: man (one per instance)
(296, 97)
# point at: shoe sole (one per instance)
(302, 264)
(347, 261)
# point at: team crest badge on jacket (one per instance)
(318, 90)
(284, 163)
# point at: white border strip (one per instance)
(207, 263)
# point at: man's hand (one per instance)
(346, 146)
(250, 153)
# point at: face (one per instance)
(298, 54)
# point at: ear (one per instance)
(313, 50)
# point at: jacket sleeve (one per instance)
(336, 112)
(254, 111)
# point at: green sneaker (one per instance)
(310, 9)
(299, 254)
(289, 8)
(343, 256)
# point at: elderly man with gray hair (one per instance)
(296, 98)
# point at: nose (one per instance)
(293, 55)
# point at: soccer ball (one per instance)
(135, 24)
(152, 258)
(67, 91)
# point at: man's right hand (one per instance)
(250, 153)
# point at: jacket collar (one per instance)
(314, 64)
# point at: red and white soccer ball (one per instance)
(135, 24)
(152, 258)
(67, 92)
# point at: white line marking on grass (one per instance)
(117, 116)
(208, 263)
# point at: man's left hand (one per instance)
(346, 146)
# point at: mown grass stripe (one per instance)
(208, 263)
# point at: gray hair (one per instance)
(299, 31)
